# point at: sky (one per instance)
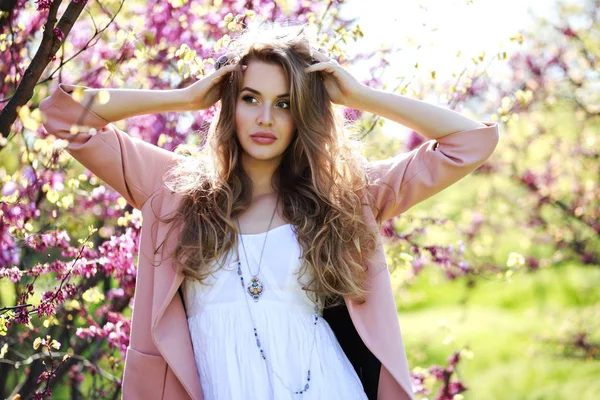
(468, 26)
(441, 28)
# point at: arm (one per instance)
(457, 145)
(130, 166)
(429, 120)
(117, 104)
(400, 182)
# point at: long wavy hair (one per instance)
(320, 179)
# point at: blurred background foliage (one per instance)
(501, 269)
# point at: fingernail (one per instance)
(244, 67)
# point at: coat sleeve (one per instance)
(131, 166)
(400, 182)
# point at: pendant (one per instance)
(255, 288)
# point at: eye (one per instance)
(284, 104)
(248, 99)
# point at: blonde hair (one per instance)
(320, 179)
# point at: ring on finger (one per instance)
(221, 61)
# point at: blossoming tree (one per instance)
(68, 243)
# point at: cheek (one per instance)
(290, 124)
(242, 116)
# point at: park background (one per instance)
(496, 277)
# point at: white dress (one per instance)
(229, 363)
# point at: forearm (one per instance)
(118, 104)
(424, 118)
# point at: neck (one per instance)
(261, 173)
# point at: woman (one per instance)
(270, 234)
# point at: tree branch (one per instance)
(48, 48)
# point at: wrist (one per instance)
(359, 99)
(180, 100)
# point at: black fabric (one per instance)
(367, 366)
(182, 300)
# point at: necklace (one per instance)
(263, 355)
(255, 287)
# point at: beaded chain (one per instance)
(256, 287)
(258, 344)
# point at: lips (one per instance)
(267, 135)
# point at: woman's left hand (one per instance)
(341, 86)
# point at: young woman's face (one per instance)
(263, 119)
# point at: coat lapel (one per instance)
(169, 322)
(376, 321)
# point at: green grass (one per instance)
(501, 323)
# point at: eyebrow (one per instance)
(257, 92)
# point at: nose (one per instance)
(265, 116)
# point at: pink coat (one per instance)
(160, 360)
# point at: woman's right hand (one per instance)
(204, 93)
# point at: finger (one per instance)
(221, 72)
(224, 70)
(226, 59)
(320, 56)
(327, 66)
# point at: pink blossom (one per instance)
(116, 255)
(21, 316)
(75, 375)
(59, 34)
(115, 293)
(418, 263)
(14, 274)
(387, 229)
(417, 381)
(57, 181)
(456, 387)
(9, 253)
(45, 309)
(414, 141)
(116, 331)
(44, 4)
(373, 82)
(90, 332)
(454, 359)
(464, 266)
(83, 267)
(102, 202)
(530, 179)
(437, 372)
(50, 239)
(351, 115)
(568, 32)
(9, 188)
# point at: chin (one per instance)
(266, 157)
(263, 155)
